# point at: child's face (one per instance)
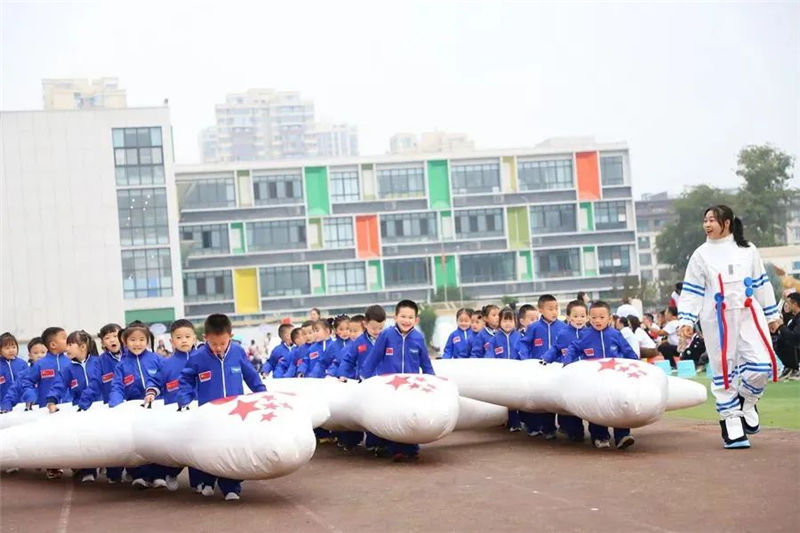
(405, 318)
(36, 352)
(314, 314)
(9, 350)
(183, 339)
(508, 325)
(599, 317)
(320, 334)
(111, 341)
(218, 342)
(477, 323)
(464, 321)
(577, 317)
(343, 329)
(355, 329)
(493, 318)
(76, 351)
(58, 344)
(308, 335)
(136, 342)
(374, 328)
(286, 336)
(549, 311)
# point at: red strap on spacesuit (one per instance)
(724, 339)
(749, 304)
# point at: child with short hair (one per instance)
(400, 349)
(601, 341)
(285, 363)
(505, 345)
(340, 340)
(36, 350)
(109, 359)
(320, 355)
(11, 370)
(457, 345)
(297, 365)
(481, 344)
(357, 325)
(217, 369)
(527, 316)
(36, 383)
(280, 351)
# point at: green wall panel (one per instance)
(377, 285)
(238, 245)
(322, 289)
(316, 180)
(165, 315)
(587, 213)
(445, 271)
(438, 185)
(519, 228)
(527, 275)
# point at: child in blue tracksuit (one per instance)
(109, 359)
(400, 349)
(136, 365)
(295, 366)
(82, 379)
(479, 347)
(321, 354)
(458, 345)
(11, 370)
(341, 340)
(35, 385)
(281, 351)
(602, 341)
(216, 370)
(576, 328)
(540, 337)
(505, 345)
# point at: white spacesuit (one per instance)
(727, 289)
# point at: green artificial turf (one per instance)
(778, 408)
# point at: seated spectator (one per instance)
(696, 351)
(788, 342)
(647, 346)
(649, 325)
(676, 295)
(669, 347)
(627, 309)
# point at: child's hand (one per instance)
(542, 362)
(52, 407)
(28, 406)
(148, 400)
(343, 379)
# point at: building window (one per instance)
(642, 225)
(644, 243)
(645, 259)
(277, 189)
(138, 156)
(557, 218)
(208, 239)
(208, 193)
(647, 275)
(142, 216)
(276, 235)
(614, 259)
(284, 281)
(337, 232)
(208, 286)
(477, 178)
(545, 175)
(146, 273)
(406, 272)
(479, 223)
(484, 268)
(347, 277)
(611, 172)
(401, 182)
(408, 227)
(610, 215)
(344, 185)
(558, 263)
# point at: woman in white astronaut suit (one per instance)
(727, 290)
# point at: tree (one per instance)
(427, 322)
(681, 237)
(765, 196)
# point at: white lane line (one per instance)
(66, 507)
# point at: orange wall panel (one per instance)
(588, 176)
(367, 241)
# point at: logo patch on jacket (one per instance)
(614, 348)
(498, 350)
(588, 351)
(127, 380)
(108, 377)
(538, 342)
(389, 351)
(172, 386)
(413, 350)
(152, 371)
(204, 376)
(485, 345)
(563, 351)
(47, 373)
(456, 339)
(2, 379)
(313, 355)
(236, 370)
(362, 348)
(73, 384)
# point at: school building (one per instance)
(265, 238)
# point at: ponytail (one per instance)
(723, 214)
(737, 228)
(81, 337)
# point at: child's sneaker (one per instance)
(172, 483)
(12, 470)
(383, 453)
(88, 478)
(231, 497)
(54, 473)
(126, 477)
(208, 490)
(199, 488)
(550, 436)
(534, 433)
(139, 483)
(625, 442)
(112, 481)
(514, 429)
(158, 483)
(602, 443)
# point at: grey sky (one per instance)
(686, 85)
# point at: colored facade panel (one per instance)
(245, 291)
(525, 266)
(438, 185)
(367, 236)
(588, 176)
(446, 226)
(237, 238)
(445, 271)
(374, 275)
(587, 216)
(317, 200)
(244, 186)
(318, 279)
(165, 315)
(368, 182)
(314, 233)
(589, 261)
(509, 166)
(519, 229)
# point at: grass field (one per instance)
(779, 407)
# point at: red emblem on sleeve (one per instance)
(456, 339)
(589, 351)
(108, 377)
(127, 380)
(362, 348)
(313, 355)
(73, 383)
(2, 379)
(172, 386)
(498, 350)
(389, 351)
(204, 376)
(47, 373)
(538, 342)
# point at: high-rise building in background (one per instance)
(653, 213)
(81, 93)
(88, 219)
(265, 124)
(430, 142)
(269, 238)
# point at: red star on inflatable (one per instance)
(268, 417)
(270, 405)
(428, 389)
(413, 386)
(287, 406)
(419, 378)
(398, 382)
(243, 409)
(608, 364)
(268, 397)
(635, 374)
(222, 401)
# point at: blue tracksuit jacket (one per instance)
(108, 362)
(395, 353)
(341, 345)
(292, 366)
(596, 344)
(166, 382)
(353, 356)
(11, 372)
(505, 345)
(40, 377)
(131, 374)
(81, 379)
(279, 352)
(540, 337)
(557, 352)
(320, 356)
(214, 377)
(458, 345)
(479, 345)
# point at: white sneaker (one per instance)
(112, 481)
(602, 443)
(208, 490)
(199, 488)
(126, 477)
(139, 483)
(625, 442)
(88, 478)
(11, 470)
(158, 484)
(172, 483)
(231, 496)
